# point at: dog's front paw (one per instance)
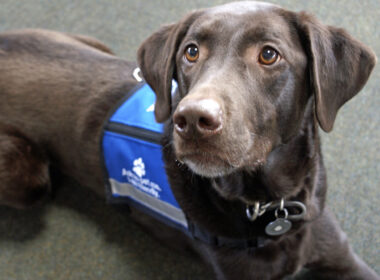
(24, 172)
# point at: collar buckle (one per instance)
(257, 210)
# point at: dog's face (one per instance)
(245, 74)
(241, 71)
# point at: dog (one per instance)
(241, 146)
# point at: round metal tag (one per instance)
(278, 227)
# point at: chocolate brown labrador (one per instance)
(241, 143)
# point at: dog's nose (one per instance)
(201, 117)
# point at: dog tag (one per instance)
(278, 227)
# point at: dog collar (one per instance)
(206, 237)
(280, 226)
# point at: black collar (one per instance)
(206, 237)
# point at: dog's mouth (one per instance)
(222, 154)
(213, 159)
(208, 165)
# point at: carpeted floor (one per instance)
(78, 236)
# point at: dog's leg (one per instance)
(24, 170)
(332, 254)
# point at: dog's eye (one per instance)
(268, 56)
(192, 53)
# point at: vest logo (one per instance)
(135, 178)
(139, 167)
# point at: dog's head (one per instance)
(246, 72)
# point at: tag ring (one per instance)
(283, 210)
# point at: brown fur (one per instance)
(57, 89)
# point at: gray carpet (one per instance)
(77, 236)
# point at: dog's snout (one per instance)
(198, 118)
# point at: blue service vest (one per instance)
(133, 159)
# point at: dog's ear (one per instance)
(339, 66)
(156, 58)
